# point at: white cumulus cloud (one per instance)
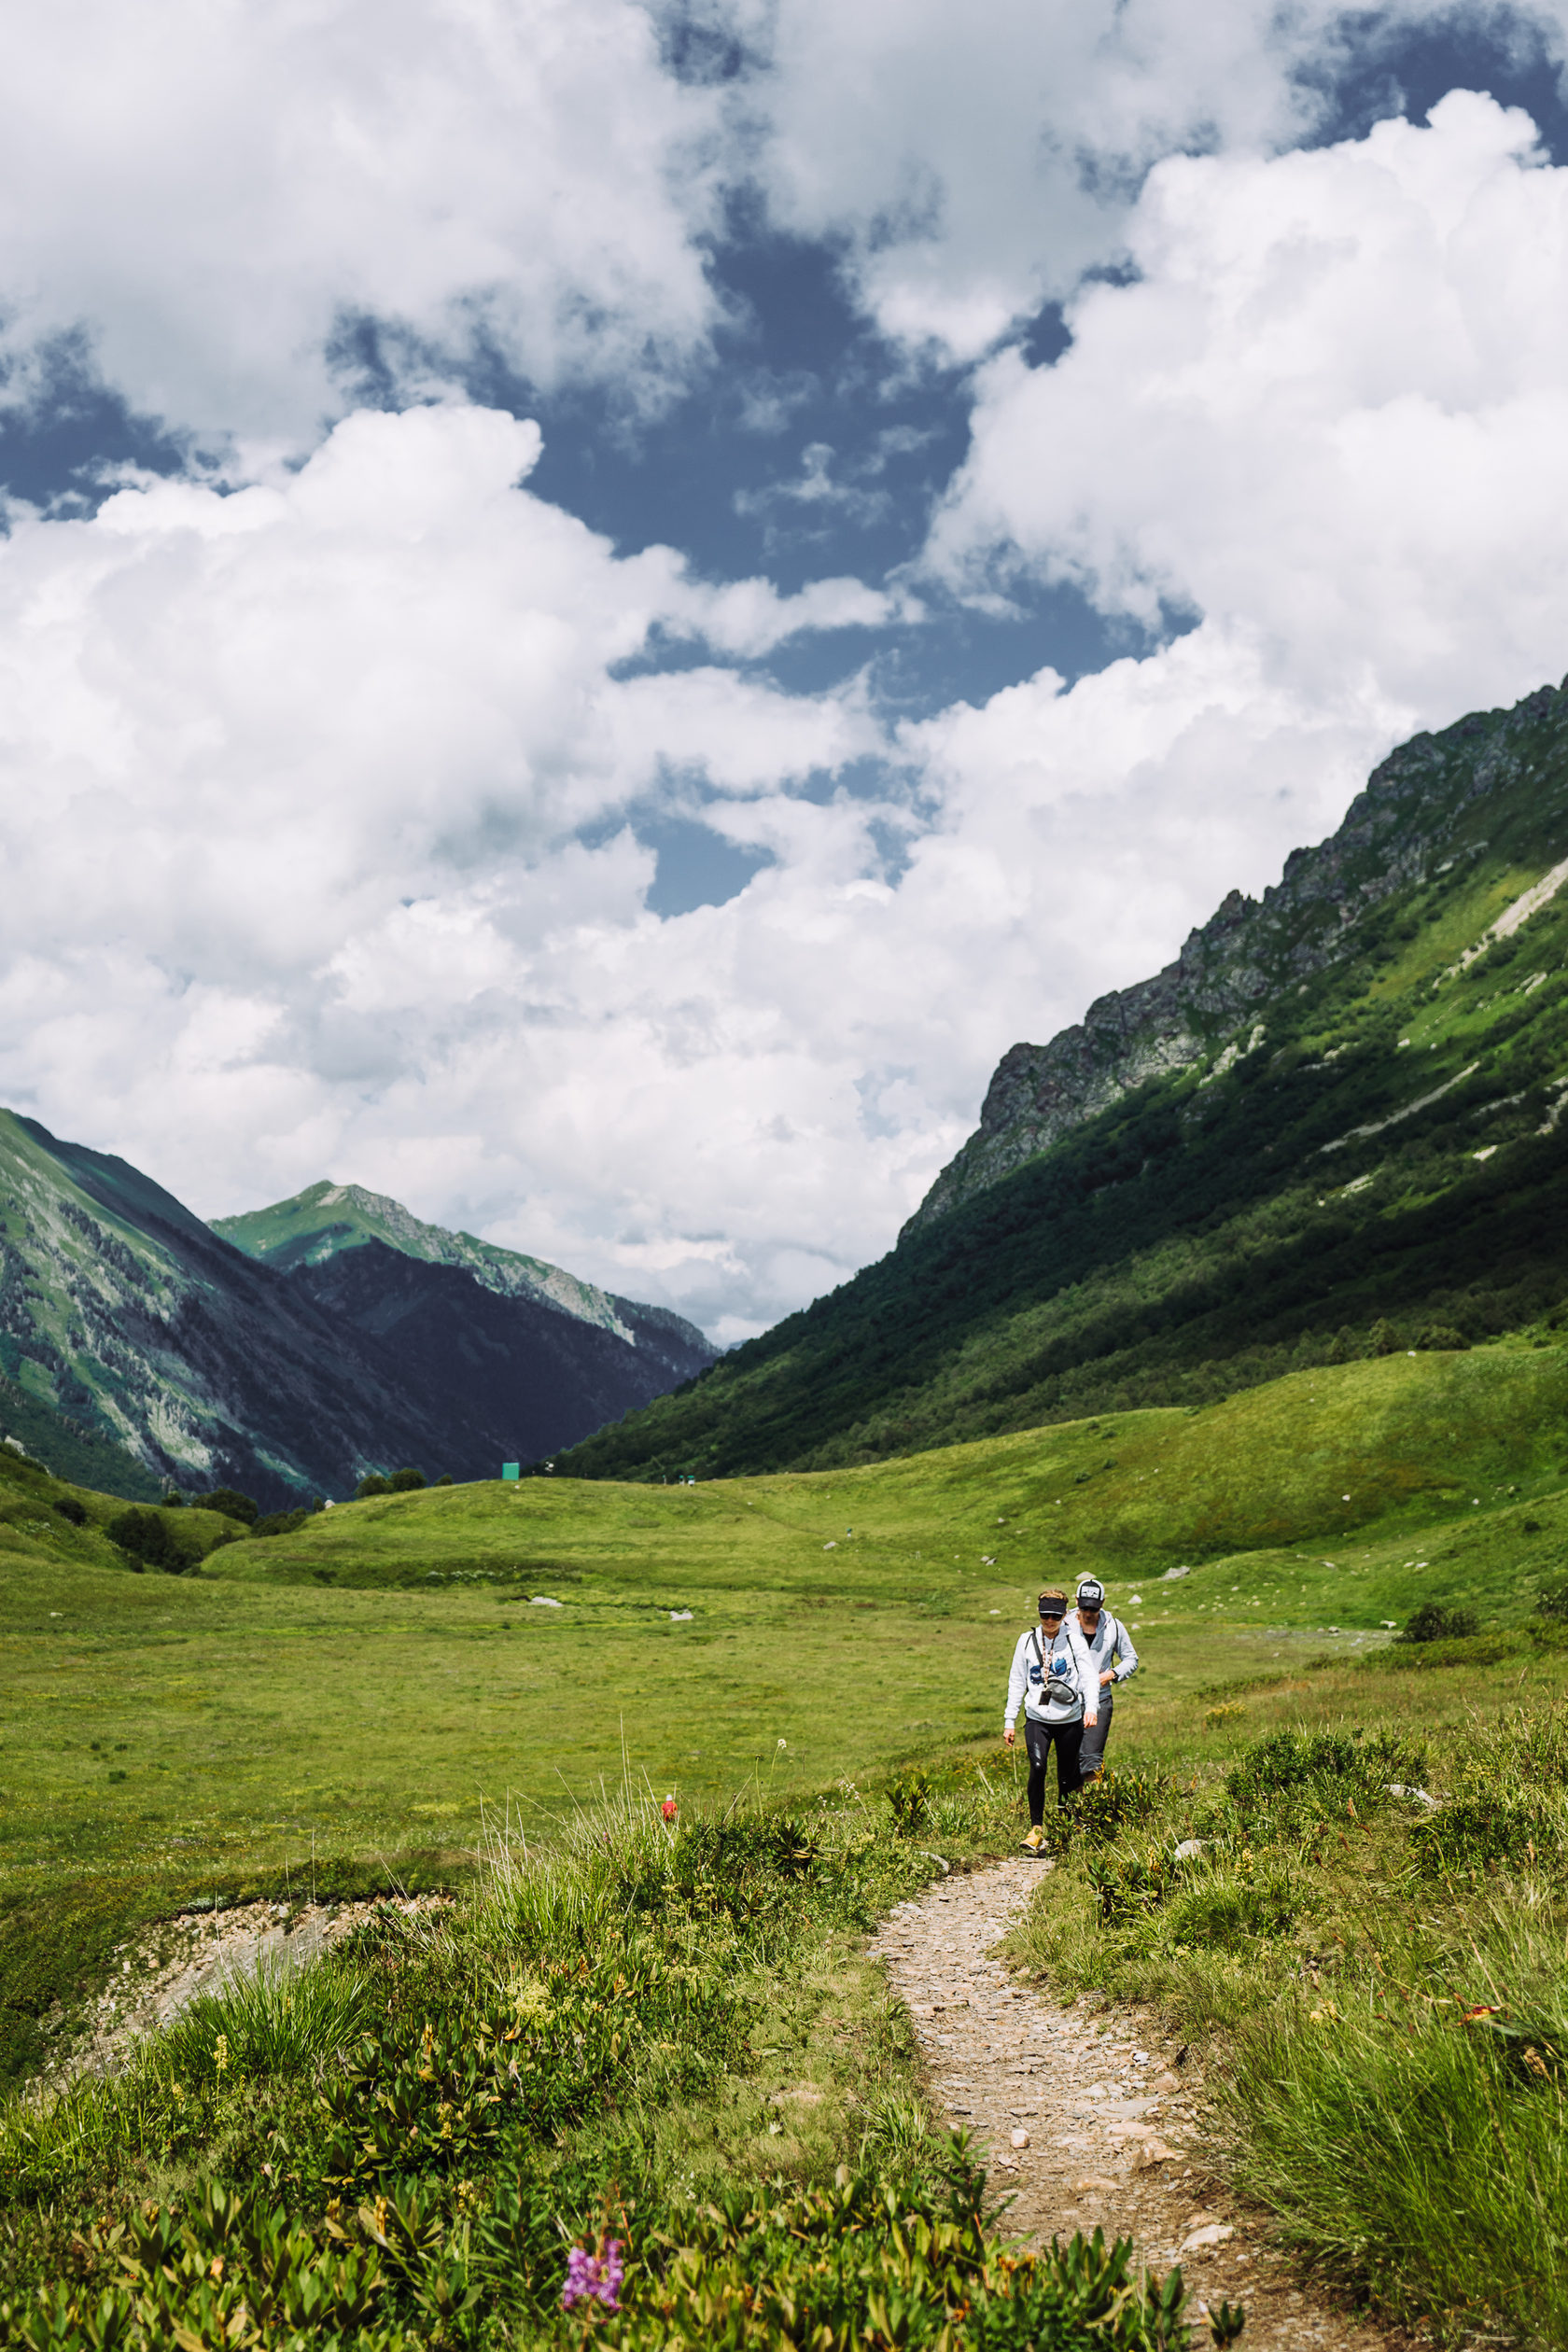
(212, 191)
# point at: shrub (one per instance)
(1328, 1766)
(1128, 1886)
(445, 1478)
(1553, 1603)
(1116, 1801)
(1225, 1913)
(1440, 1338)
(280, 1522)
(406, 1481)
(231, 1503)
(69, 1508)
(144, 1535)
(1435, 1621)
(1472, 1834)
(371, 1483)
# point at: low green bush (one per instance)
(1438, 1621)
(909, 1796)
(1323, 1771)
(231, 1504)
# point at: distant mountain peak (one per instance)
(137, 1345)
(327, 1218)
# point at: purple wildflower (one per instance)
(594, 2277)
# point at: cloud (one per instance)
(254, 214)
(319, 802)
(975, 166)
(292, 781)
(295, 786)
(1331, 414)
(219, 192)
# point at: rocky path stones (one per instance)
(1088, 2113)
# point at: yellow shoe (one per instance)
(1035, 1840)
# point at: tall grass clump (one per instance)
(277, 2022)
(1413, 2136)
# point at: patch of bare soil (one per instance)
(175, 1961)
(1092, 2114)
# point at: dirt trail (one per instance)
(1099, 2090)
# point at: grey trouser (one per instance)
(1091, 1755)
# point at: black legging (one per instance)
(1040, 1739)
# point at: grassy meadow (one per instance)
(382, 1698)
(375, 1680)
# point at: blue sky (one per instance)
(604, 604)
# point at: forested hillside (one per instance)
(1332, 1129)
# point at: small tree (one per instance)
(145, 1537)
(1440, 1338)
(371, 1483)
(1385, 1340)
(406, 1481)
(1434, 1622)
(231, 1503)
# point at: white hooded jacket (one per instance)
(1048, 1679)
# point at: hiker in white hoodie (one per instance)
(1048, 1681)
(1105, 1651)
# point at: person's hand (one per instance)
(1008, 1734)
(1089, 1720)
(1106, 1679)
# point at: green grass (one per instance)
(377, 1700)
(659, 2036)
(1381, 1988)
(380, 1683)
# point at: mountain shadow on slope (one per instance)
(513, 1376)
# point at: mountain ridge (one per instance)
(1244, 953)
(1332, 1125)
(300, 1232)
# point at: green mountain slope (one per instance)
(1331, 1127)
(138, 1346)
(326, 1219)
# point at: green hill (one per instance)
(1330, 1128)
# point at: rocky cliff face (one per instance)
(1202, 1007)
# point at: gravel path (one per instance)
(1088, 2113)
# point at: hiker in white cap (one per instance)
(1105, 1648)
(1047, 1680)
